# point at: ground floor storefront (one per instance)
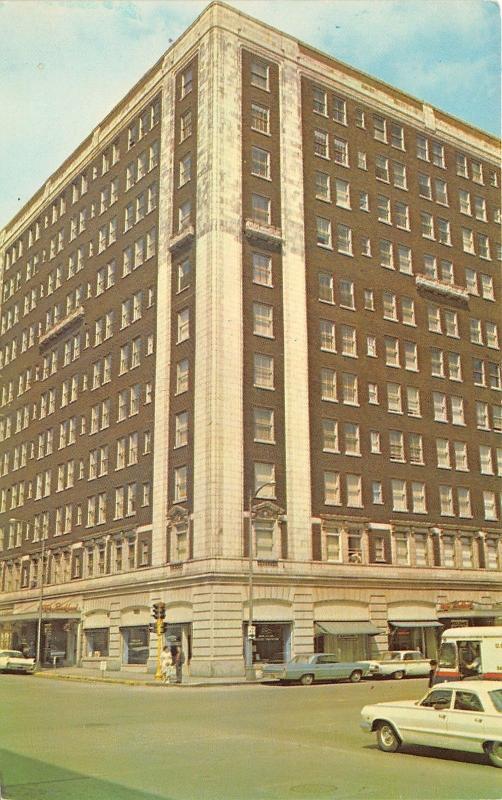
(209, 621)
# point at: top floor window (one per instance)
(397, 136)
(260, 74)
(186, 82)
(320, 101)
(340, 110)
(422, 148)
(379, 128)
(438, 155)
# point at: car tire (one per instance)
(387, 738)
(494, 753)
(399, 675)
(355, 676)
(307, 680)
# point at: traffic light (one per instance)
(159, 611)
(155, 627)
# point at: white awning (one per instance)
(420, 623)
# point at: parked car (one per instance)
(317, 667)
(400, 663)
(14, 661)
(464, 715)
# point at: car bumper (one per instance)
(366, 725)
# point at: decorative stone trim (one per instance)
(267, 510)
(60, 327)
(182, 239)
(441, 288)
(263, 234)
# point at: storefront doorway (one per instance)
(135, 642)
(349, 640)
(272, 642)
(422, 635)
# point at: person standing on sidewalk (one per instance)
(179, 660)
(166, 665)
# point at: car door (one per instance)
(324, 667)
(466, 722)
(426, 722)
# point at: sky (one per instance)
(64, 64)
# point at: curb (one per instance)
(135, 682)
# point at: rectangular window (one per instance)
(344, 239)
(186, 85)
(379, 128)
(397, 136)
(418, 497)
(182, 376)
(342, 193)
(332, 489)
(330, 436)
(328, 384)
(180, 484)
(181, 429)
(260, 118)
(319, 101)
(322, 186)
(349, 389)
(422, 148)
(260, 162)
(354, 491)
(321, 146)
(326, 287)
(394, 399)
(383, 209)
(263, 320)
(399, 498)
(183, 325)
(264, 473)
(323, 231)
(261, 209)
(263, 375)
(339, 110)
(327, 335)
(446, 501)
(438, 155)
(264, 425)
(262, 269)
(260, 74)
(382, 168)
(341, 152)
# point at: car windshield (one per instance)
(302, 659)
(497, 699)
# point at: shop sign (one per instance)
(48, 607)
(457, 605)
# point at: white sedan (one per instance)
(456, 716)
(14, 661)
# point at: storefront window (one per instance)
(97, 642)
(135, 644)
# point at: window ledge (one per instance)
(60, 327)
(265, 234)
(181, 239)
(444, 289)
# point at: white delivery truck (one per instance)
(470, 653)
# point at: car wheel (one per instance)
(399, 675)
(494, 752)
(307, 680)
(387, 738)
(355, 676)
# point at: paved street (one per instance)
(112, 742)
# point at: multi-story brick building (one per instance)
(264, 273)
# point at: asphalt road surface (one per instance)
(73, 741)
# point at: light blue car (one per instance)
(317, 667)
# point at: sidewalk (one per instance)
(128, 678)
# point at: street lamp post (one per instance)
(40, 604)
(250, 673)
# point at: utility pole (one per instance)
(40, 603)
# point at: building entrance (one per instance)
(272, 642)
